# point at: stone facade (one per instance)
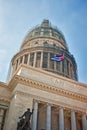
(59, 102)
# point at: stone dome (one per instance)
(46, 30)
(40, 44)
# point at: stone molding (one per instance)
(42, 86)
(75, 83)
(4, 88)
(42, 38)
(4, 100)
(51, 102)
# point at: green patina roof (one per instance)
(46, 30)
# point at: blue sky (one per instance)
(17, 17)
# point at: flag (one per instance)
(57, 58)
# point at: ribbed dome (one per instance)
(42, 43)
(45, 30)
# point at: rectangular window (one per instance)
(2, 118)
(16, 64)
(26, 59)
(45, 60)
(58, 66)
(65, 66)
(31, 59)
(21, 59)
(38, 59)
(51, 62)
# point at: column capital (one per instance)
(48, 104)
(36, 101)
(60, 107)
(73, 110)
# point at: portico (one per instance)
(62, 115)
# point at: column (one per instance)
(34, 121)
(61, 119)
(41, 61)
(28, 59)
(73, 120)
(48, 117)
(35, 54)
(84, 121)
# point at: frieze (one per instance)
(46, 87)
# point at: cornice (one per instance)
(45, 87)
(76, 83)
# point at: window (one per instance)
(45, 60)
(36, 43)
(26, 59)
(46, 33)
(51, 62)
(58, 66)
(31, 59)
(2, 118)
(21, 59)
(65, 66)
(16, 64)
(46, 44)
(38, 59)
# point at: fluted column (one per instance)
(61, 119)
(48, 117)
(35, 54)
(84, 121)
(41, 61)
(73, 120)
(34, 121)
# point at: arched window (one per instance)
(36, 43)
(46, 44)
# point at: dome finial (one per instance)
(45, 23)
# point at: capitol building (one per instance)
(49, 87)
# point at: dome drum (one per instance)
(39, 57)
